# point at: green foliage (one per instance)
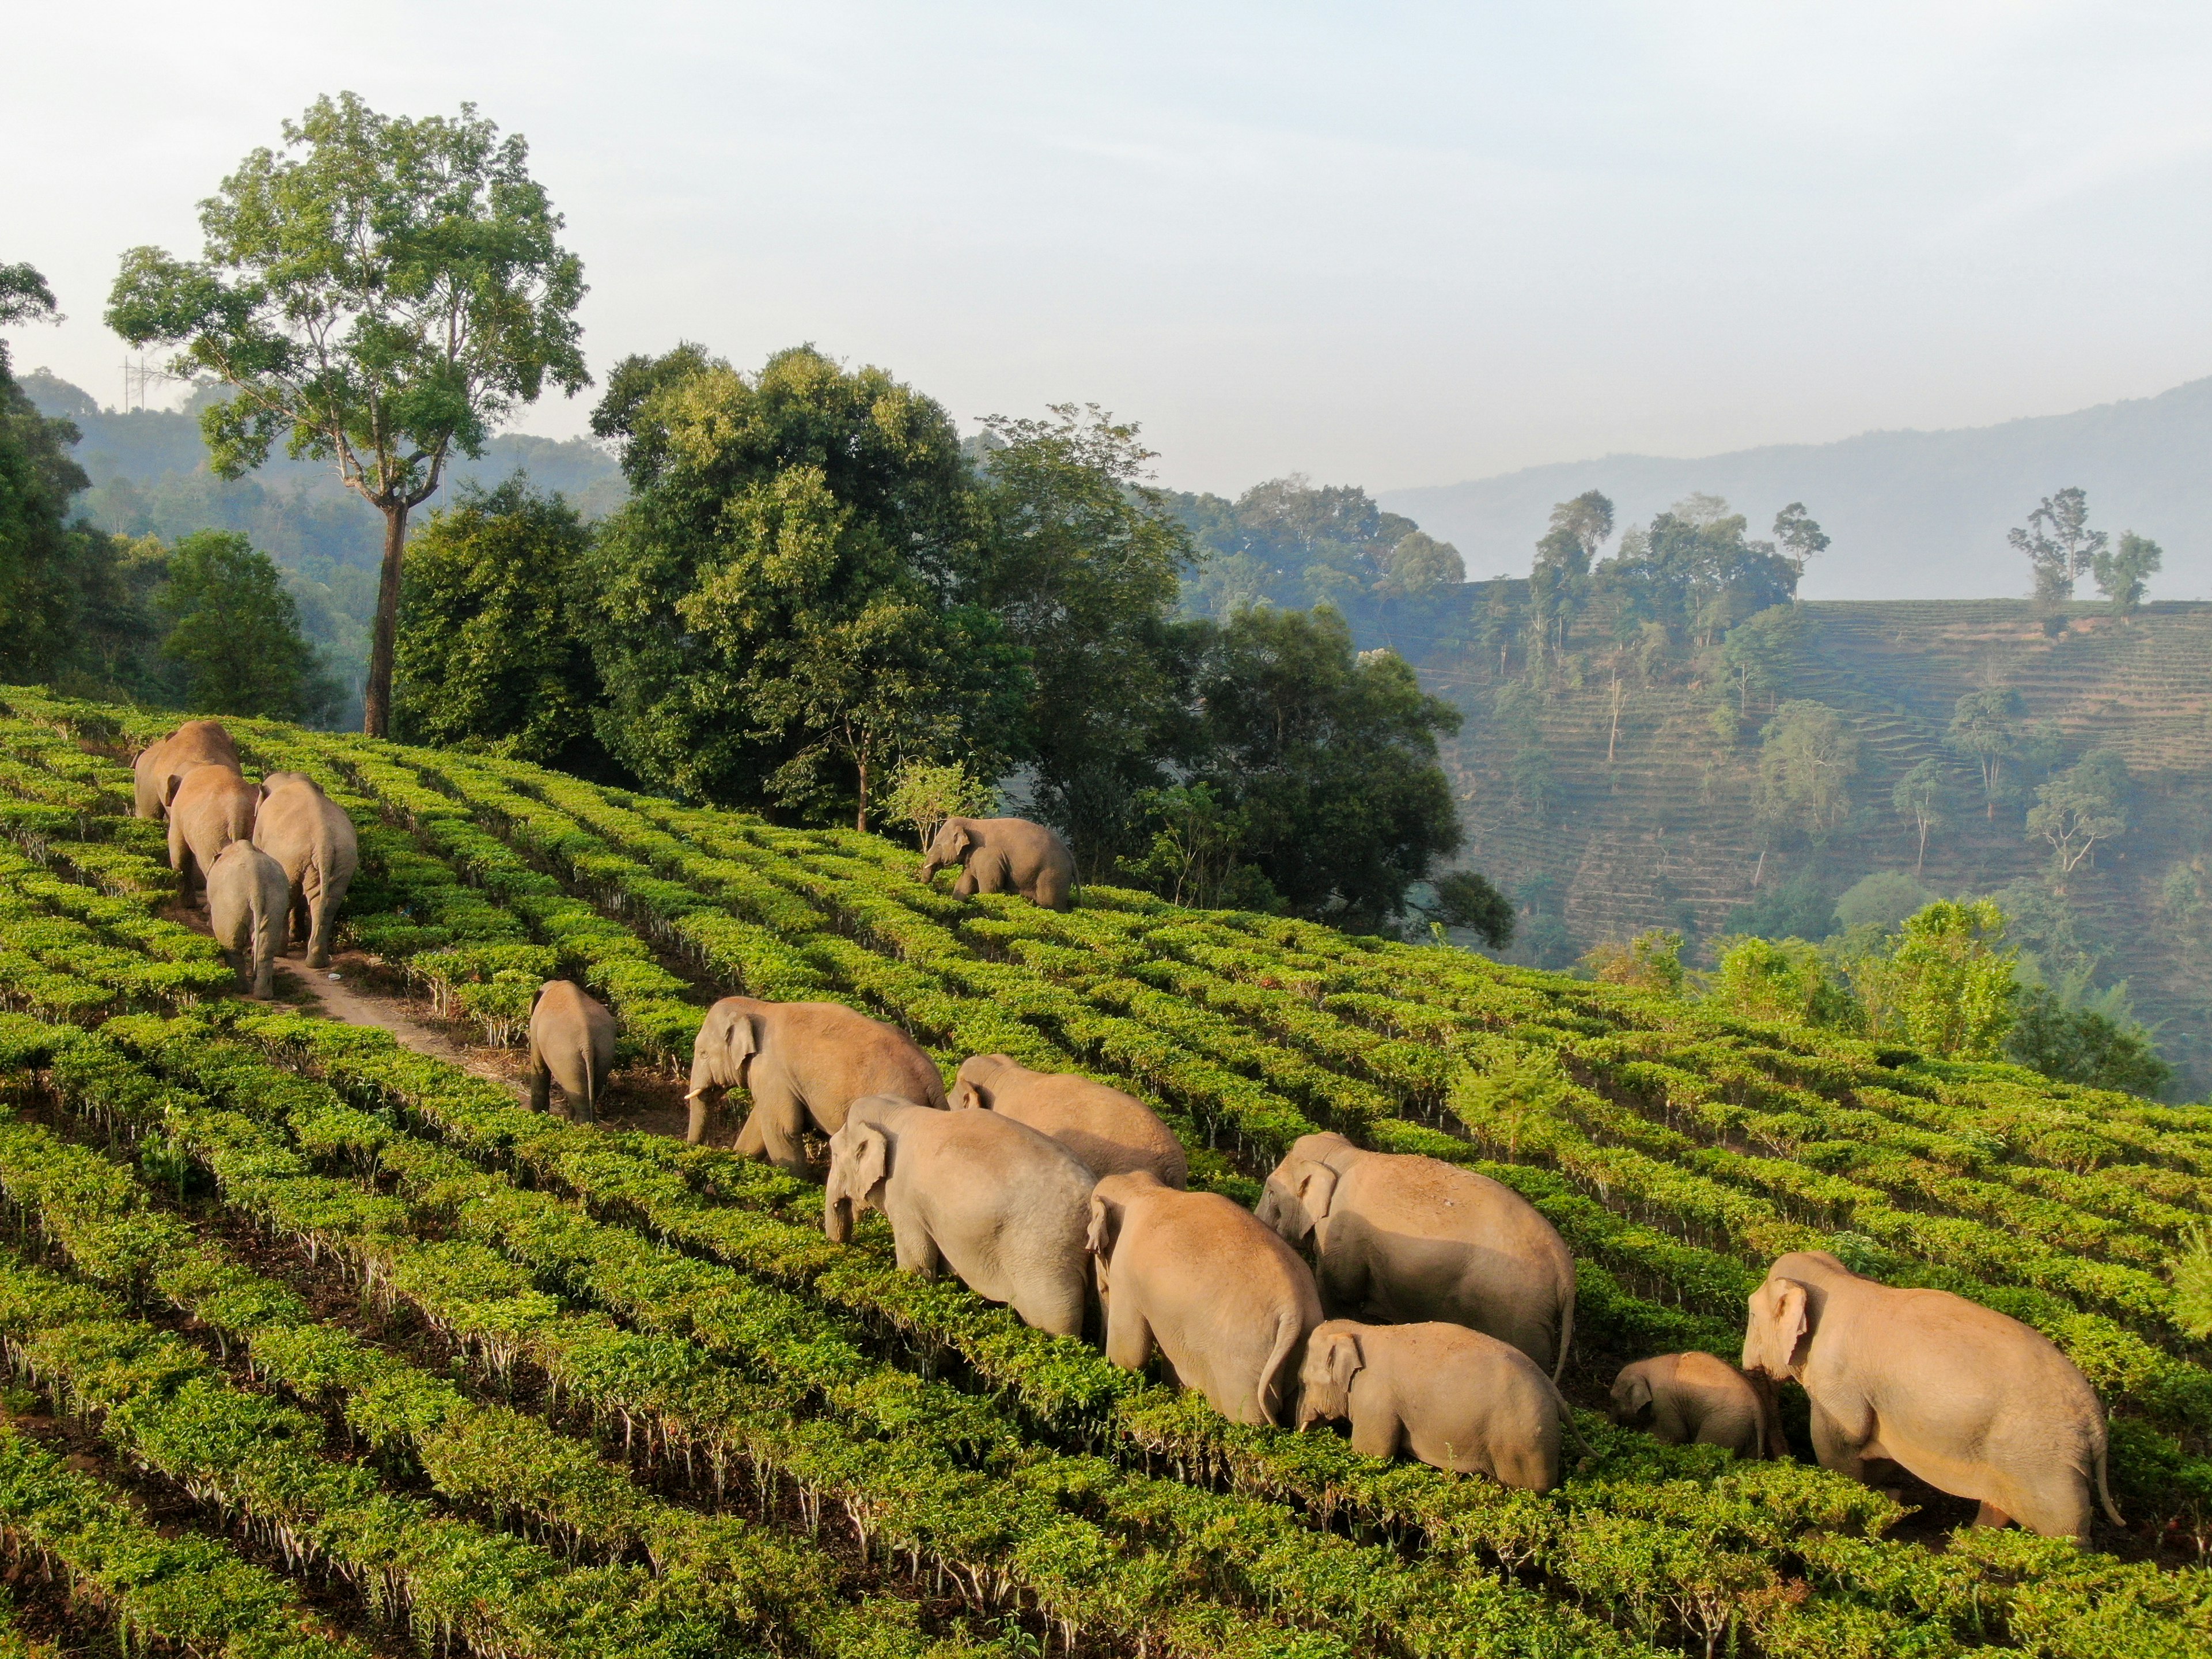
(923, 795)
(1985, 728)
(1694, 573)
(1921, 798)
(2059, 547)
(381, 295)
(2123, 573)
(1882, 900)
(1800, 534)
(2192, 1285)
(1799, 908)
(1806, 759)
(2085, 1046)
(493, 616)
(2075, 811)
(1785, 983)
(1760, 650)
(1648, 962)
(233, 633)
(1465, 898)
(1328, 760)
(1944, 985)
(1194, 857)
(791, 602)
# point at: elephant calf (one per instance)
(1227, 1301)
(804, 1063)
(1007, 1209)
(209, 807)
(1454, 1398)
(1975, 1404)
(1004, 855)
(1401, 1237)
(247, 900)
(159, 765)
(310, 835)
(572, 1042)
(1112, 1132)
(1687, 1399)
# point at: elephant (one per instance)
(1112, 1132)
(248, 899)
(203, 742)
(1006, 1209)
(1974, 1403)
(309, 834)
(1004, 855)
(572, 1042)
(1687, 1398)
(1227, 1302)
(1454, 1398)
(803, 1062)
(1400, 1238)
(275, 781)
(209, 806)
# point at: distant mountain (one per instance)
(1914, 515)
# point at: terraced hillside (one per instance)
(1666, 832)
(321, 1346)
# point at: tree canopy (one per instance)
(233, 632)
(383, 293)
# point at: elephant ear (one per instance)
(743, 1041)
(958, 837)
(1317, 1192)
(870, 1152)
(1105, 1227)
(1635, 1393)
(1341, 1359)
(1788, 1323)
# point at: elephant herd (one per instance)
(1435, 1314)
(274, 858)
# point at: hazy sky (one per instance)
(1389, 244)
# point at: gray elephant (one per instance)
(1225, 1300)
(1112, 1132)
(572, 1042)
(209, 806)
(247, 901)
(1402, 1238)
(1004, 855)
(1687, 1398)
(309, 834)
(1975, 1404)
(1452, 1397)
(804, 1064)
(156, 771)
(1007, 1209)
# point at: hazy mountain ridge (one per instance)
(1914, 515)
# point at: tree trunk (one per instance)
(860, 817)
(376, 697)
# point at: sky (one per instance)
(1389, 245)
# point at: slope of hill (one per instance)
(1914, 515)
(1666, 835)
(623, 1399)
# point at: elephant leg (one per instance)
(1343, 1281)
(750, 1142)
(1735, 1430)
(965, 887)
(1056, 1309)
(1837, 1448)
(296, 925)
(1991, 1516)
(541, 1079)
(1129, 1336)
(321, 904)
(781, 1123)
(915, 1251)
(1377, 1433)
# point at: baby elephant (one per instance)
(1004, 855)
(1112, 1132)
(1002, 1205)
(1454, 1398)
(1687, 1398)
(247, 898)
(572, 1042)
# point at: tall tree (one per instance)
(1920, 798)
(2123, 573)
(1800, 534)
(1985, 728)
(2058, 545)
(493, 622)
(384, 293)
(233, 632)
(790, 603)
(1806, 763)
(2078, 808)
(1083, 566)
(1558, 582)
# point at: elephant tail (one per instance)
(2103, 1492)
(1290, 1331)
(1567, 1422)
(1566, 1333)
(590, 1085)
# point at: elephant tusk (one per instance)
(693, 1094)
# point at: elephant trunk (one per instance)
(930, 866)
(837, 1219)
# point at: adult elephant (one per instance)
(1003, 855)
(1404, 1238)
(1112, 1132)
(1975, 1404)
(1225, 1300)
(159, 765)
(803, 1062)
(310, 835)
(1007, 1209)
(572, 1042)
(209, 806)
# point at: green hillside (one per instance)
(1667, 834)
(512, 1386)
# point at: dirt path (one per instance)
(342, 994)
